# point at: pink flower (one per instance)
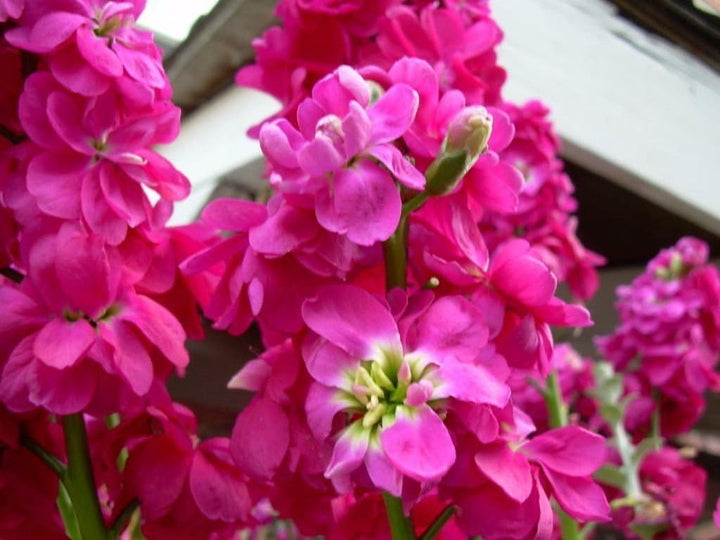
(81, 332)
(503, 492)
(342, 135)
(462, 54)
(391, 376)
(95, 162)
(91, 44)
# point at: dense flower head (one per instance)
(668, 338)
(75, 318)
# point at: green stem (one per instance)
(625, 448)
(68, 514)
(436, 526)
(558, 417)
(395, 251)
(57, 466)
(400, 526)
(80, 482)
(557, 410)
(416, 202)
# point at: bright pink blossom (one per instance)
(390, 376)
(92, 44)
(74, 319)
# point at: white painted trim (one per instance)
(633, 108)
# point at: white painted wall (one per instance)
(633, 108)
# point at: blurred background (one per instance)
(634, 89)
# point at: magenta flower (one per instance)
(391, 379)
(95, 162)
(91, 43)
(343, 134)
(78, 335)
(11, 9)
(504, 492)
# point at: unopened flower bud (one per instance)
(466, 140)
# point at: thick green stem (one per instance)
(558, 417)
(625, 448)
(395, 251)
(400, 526)
(80, 482)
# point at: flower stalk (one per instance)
(80, 481)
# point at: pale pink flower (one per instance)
(393, 377)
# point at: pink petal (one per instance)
(321, 405)
(352, 319)
(472, 383)
(452, 326)
(233, 214)
(252, 376)
(260, 438)
(217, 484)
(167, 463)
(61, 343)
(100, 217)
(320, 156)
(518, 273)
(125, 197)
(393, 113)
(329, 364)
(508, 469)
(69, 68)
(418, 444)
(55, 180)
(356, 129)
(131, 358)
(580, 497)
(368, 202)
(284, 231)
(401, 168)
(161, 328)
(65, 114)
(423, 79)
(382, 472)
(85, 273)
(278, 141)
(569, 450)
(17, 374)
(47, 33)
(348, 453)
(65, 391)
(32, 111)
(141, 66)
(96, 51)
(503, 130)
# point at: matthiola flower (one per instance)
(95, 162)
(668, 340)
(392, 377)
(77, 335)
(91, 43)
(462, 54)
(342, 153)
(503, 488)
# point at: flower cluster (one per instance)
(668, 342)
(96, 312)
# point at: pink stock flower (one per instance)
(677, 489)
(344, 131)
(94, 162)
(503, 489)
(77, 335)
(92, 43)
(356, 17)
(391, 376)
(668, 340)
(462, 54)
